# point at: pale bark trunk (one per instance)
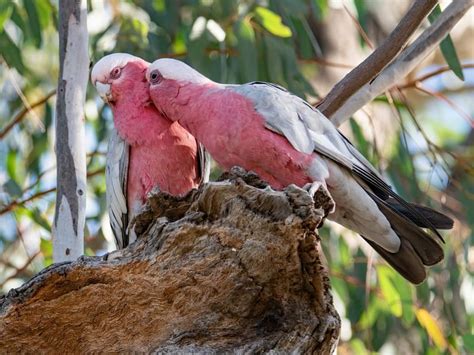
(69, 219)
(232, 267)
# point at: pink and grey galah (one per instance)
(145, 149)
(264, 128)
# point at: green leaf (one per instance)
(12, 188)
(361, 142)
(320, 8)
(272, 22)
(36, 216)
(34, 22)
(274, 60)
(46, 247)
(247, 59)
(447, 47)
(44, 10)
(406, 295)
(468, 341)
(10, 52)
(6, 8)
(389, 292)
(432, 327)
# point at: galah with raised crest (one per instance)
(264, 128)
(145, 149)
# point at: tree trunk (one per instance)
(69, 219)
(231, 267)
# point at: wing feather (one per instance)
(204, 161)
(309, 130)
(116, 174)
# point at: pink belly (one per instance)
(268, 154)
(169, 163)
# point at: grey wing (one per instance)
(309, 130)
(204, 164)
(305, 128)
(116, 173)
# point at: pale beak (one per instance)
(104, 91)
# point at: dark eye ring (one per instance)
(115, 73)
(155, 77)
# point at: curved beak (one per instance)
(104, 91)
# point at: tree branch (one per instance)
(230, 268)
(413, 83)
(12, 205)
(374, 63)
(406, 61)
(20, 115)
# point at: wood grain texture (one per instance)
(229, 267)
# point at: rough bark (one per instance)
(69, 219)
(230, 267)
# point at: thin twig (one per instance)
(359, 28)
(441, 70)
(325, 62)
(445, 99)
(405, 62)
(382, 56)
(20, 115)
(19, 270)
(12, 205)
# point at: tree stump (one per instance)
(231, 267)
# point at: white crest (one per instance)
(102, 68)
(176, 70)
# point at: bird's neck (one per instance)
(139, 124)
(192, 105)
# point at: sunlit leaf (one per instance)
(45, 12)
(405, 290)
(358, 347)
(6, 8)
(272, 22)
(389, 292)
(36, 216)
(46, 247)
(427, 321)
(320, 8)
(447, 47)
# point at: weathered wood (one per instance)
(69, 218)
(230, 267)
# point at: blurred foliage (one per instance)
(240, 41)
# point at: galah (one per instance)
(145, 149)
(264, 128)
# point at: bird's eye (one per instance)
(115, 73)
(155, 77)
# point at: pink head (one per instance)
(167, 77)
(121, 82)
(120, 78)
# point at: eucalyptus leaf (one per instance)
(447, 47)
(272, 22)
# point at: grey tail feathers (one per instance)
(437, 219)
(417, 250)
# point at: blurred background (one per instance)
(420, 136)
